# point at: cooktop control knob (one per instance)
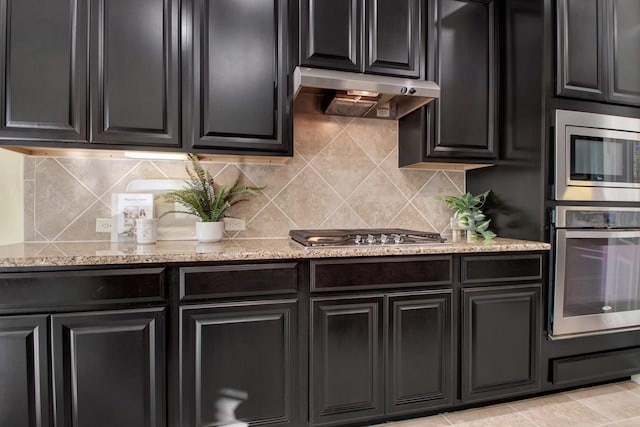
(384, 238)
(358, 239)
(370, 239)
(397, 239)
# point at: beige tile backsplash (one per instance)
(344, 174)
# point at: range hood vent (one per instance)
(345, 93)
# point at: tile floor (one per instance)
(615, 405)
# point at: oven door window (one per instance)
(597, 281)
(601, 275)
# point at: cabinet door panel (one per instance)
(393, 37)
(239, 364)
(466, 70)
(238, 75)
(330, 34)
(419, 361)
(24, 373)
(346, 359)
(500, 341)
(43, 70)
(580, 51)
(134, 72)
(624, 54)
(108, 368)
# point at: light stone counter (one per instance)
(73, 254)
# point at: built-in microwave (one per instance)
(597, 157)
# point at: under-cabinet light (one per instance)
(155, 155)
(362, 93)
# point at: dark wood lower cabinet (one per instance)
(346, 357)
(380, 354)
(109, 368)
(501, 329)
(419, 355)
(24, 373)
(239, 363)
(349, 350)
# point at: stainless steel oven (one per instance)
(597, 270)
(597, 157)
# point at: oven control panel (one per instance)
(581, 217)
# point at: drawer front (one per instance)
(596, 366)
(76, 287)
(244, 279)
(501, 268)
(336, 274)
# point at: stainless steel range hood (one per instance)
(363, 95)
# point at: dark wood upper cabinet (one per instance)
(623, 54)
(24, 372)
(235, 75)
(43, 63)
(109, 368)
(373, 36)
(330, 35)
(461, 124)
(393, 37)
(129, 79)
(465, 68)
(134, 72)
(597, 54)
(580, 37)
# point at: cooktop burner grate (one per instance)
(364, 237)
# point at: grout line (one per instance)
(74, 220)
(453, 183)
(78, 180)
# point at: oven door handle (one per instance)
(597, 234)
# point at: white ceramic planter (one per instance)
(208, 232)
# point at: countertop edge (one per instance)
(97, 254)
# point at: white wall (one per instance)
(11, 197)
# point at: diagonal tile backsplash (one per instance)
(344, 174)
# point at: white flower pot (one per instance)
(208, 232)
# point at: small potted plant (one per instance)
(468, 215)
(207, 200)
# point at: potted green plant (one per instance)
(467, 212)
(207, 200)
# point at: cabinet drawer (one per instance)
(501, 268)
(244, 279)
(59, 288)
(596, 366)
(335, 274)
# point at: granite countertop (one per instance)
(92, 253)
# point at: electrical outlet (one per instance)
(235, 224)
(103, 225)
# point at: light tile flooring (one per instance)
(615, 405)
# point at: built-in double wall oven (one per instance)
(595, 224)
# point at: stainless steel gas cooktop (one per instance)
(364, 237)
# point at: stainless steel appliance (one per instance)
(597, 270)
(363, 237)
(597, 157)
(347, 93)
